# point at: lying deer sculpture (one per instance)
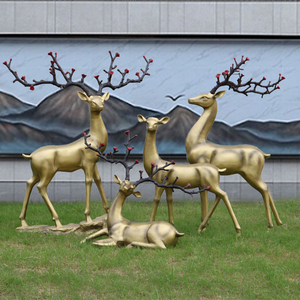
(195, 176)
(46, 161)
(121, 231)
(246, 160)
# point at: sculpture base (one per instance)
(82, 227)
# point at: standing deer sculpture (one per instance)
(46, 161)
(195, 176)
(246, 160)
(121, 231)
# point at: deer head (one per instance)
(153, 122)
(126, 187)
(96, 103)
(206, 100)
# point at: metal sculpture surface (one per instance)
(46, 161)
(246, 160)
(196, 175)
(121, 231)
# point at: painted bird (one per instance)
(174, 99)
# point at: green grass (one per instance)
(216, 264)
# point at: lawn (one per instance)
(216, 264)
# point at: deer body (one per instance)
(196, 176)
(121, 231)
(246, 160)
(46, 161)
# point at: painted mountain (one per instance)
(62, 117)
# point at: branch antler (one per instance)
(154, 168)
(249, 86)
(55, 69)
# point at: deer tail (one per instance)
(266, 156)
(178, 233)
(222, 170)
(26, 156)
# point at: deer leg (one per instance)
(30, 184)
(103, 231)
(230, 210)
(146, 245)
(42, 187)
(156, 200)
(204, 204)
(204, 222)
(275, 213)
(263, 188)
(105, 242)
(89, 174)
(169, 194)
(98, 182)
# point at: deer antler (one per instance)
(154, 168)
(249, 86)
(55, 69)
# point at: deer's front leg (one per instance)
(169, 194)
(204, 204)
(156, 200)
(89, 174)
(98, 182)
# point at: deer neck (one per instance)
(97, 129)
(115, 211)
(150, 151)
(198, 133)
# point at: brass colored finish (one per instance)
(246, 160)
(195, 176)
(121, 231)
(46, 161)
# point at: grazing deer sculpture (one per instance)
(121, 231)
(195, 176)
(246, 160)
(46, 161)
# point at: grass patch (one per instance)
(216, 264)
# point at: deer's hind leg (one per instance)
(156, 200)
(30, 184)
(89, 175)
(99, 185)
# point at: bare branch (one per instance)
(247, 87)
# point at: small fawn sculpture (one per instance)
(246, 160)
(194, 176)
(121, 231)
(46, 161)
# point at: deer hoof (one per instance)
(24, 223)
(83, 241)
(58, 224)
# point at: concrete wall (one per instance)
(151, 17)
(145, 19)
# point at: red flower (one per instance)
(117, 54)
(111, 72)
(279, 75)
(5, 63)
(126, 71)
(264, 78)
(136, 161)
(278, 87)
(97, 76)
(151, 60)
(247, 58)
(208, 187)
(141, 172)
(218, 75)
(173, 162)
(101, 145)
(83, 133)
(23, 77)
(226, 72)
(188, 185)
(66, 73)
(50, 53)
(129, 148)
(83, 75)
(127, 132)
(282, 77)
(242, 75)
(137, 74)
(153, 164)
(115, 148)
(73, 70)
(32, 88)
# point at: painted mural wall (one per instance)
(181, 67)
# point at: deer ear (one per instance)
(83, 96)
(117, 180)
(137, 194)
(141, 119)
(164, 120)
(105, 96)
(220, 94)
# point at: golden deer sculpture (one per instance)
(121, 231)
(196, 176)
(46, 161)
(246, 160)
